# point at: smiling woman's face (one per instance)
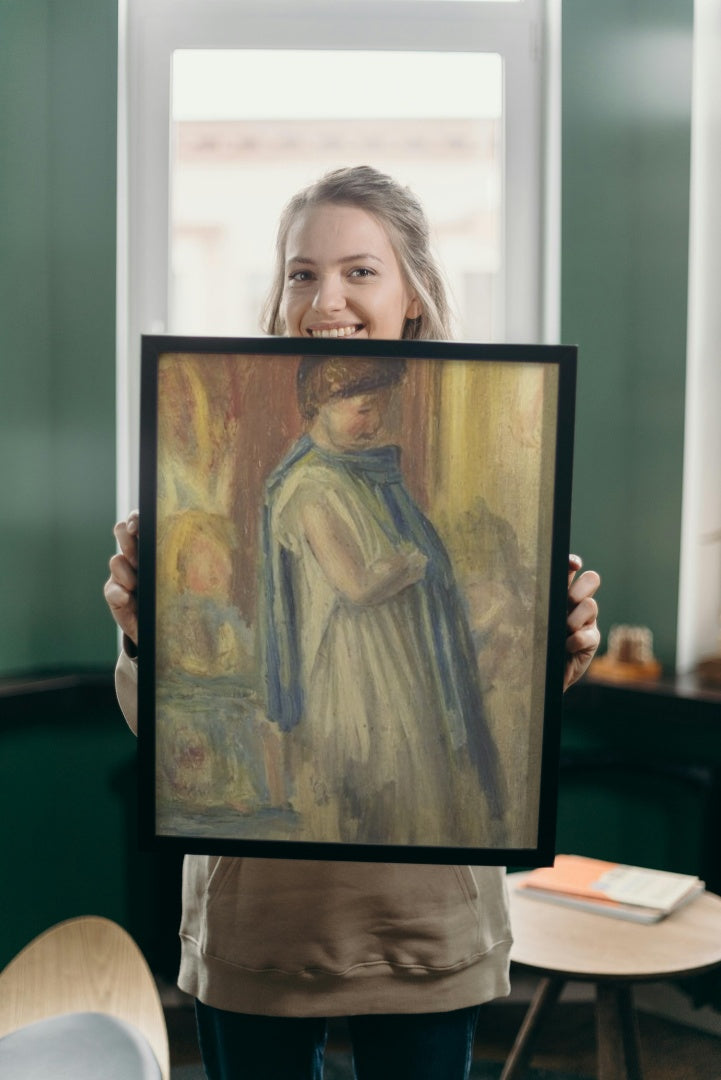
(342, 277)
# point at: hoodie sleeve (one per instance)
(126, 688)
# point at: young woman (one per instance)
(271, 948)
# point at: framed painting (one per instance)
(352, 597)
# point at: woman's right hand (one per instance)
(121, 587)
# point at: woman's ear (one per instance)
(415, 309)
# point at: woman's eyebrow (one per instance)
(362, 256)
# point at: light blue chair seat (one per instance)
(78, 1046)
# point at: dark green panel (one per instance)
(63, 785)
(68, 785)
(626, 146)
(58, 75)
(641, 776)
(82, 273)
(26, 398)
(623, 817)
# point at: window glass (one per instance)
(238, 154)
(257, 98)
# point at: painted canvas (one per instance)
(352, 597)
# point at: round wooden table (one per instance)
(562, 944)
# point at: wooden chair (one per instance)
(82, 985)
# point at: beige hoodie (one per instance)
(284, 937)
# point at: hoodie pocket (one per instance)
(468, 884)
(203, 876)
(297, 916)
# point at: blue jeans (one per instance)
(415, 1046)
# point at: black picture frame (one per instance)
(385, 759)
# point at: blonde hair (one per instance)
(402, 216)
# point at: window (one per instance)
(236, 160)
(227, 107)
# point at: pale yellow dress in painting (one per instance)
(376, 756)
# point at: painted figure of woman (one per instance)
(370, 664)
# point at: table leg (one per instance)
(617, 1033)
(545, 997)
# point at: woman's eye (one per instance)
(299, 276)
(362, 272)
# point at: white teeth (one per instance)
(335, 332)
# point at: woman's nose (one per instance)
(329, 295)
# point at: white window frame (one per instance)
(526, 34)
(699, 597)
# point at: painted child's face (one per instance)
(353, 423)
(342, 277)
(208, 567)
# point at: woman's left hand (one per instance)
(582, 633)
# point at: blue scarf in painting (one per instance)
(453, 659)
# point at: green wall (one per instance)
(58, 73)
(67, 772)
(625, 200)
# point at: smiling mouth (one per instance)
(336, 331)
